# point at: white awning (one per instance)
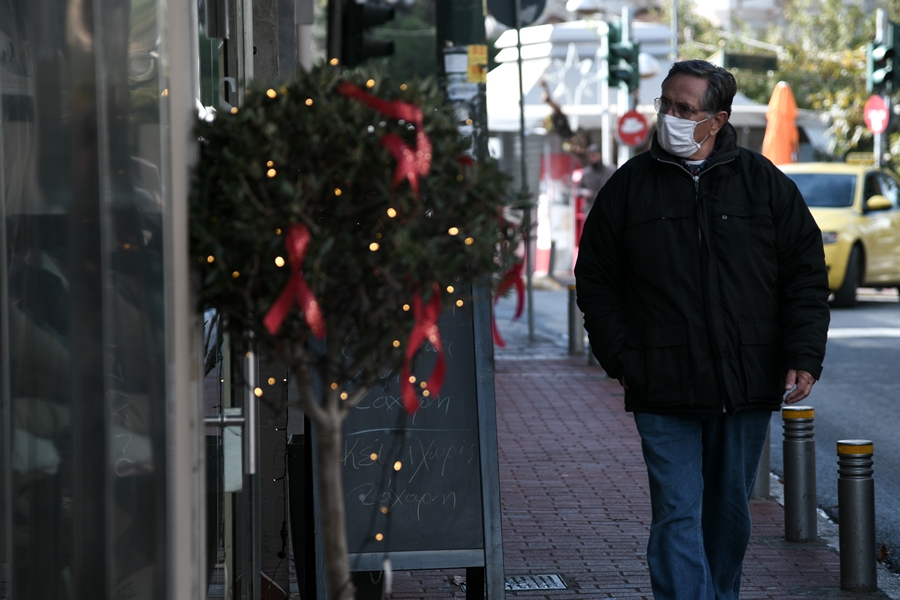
(565, 55)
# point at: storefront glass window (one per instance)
(83, 373)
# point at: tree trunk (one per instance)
(331, 503)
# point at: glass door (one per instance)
(232, 455)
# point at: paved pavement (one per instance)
(574, 498)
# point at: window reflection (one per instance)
(82, 205)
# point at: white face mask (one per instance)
(676, 135)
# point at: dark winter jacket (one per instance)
(701, 291)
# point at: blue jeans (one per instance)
(701, 470)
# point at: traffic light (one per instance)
(623, 59)
(357, 42)
(881, 63)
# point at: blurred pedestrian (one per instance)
(593, 176)
(702, 280)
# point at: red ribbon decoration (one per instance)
(411, 164)
(425, 329)
(513, 277)
(296, 241)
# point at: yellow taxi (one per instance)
(857, 207)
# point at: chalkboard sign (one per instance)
(436, 472)
(424, 468)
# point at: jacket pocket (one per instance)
(756, 212)
(662, 373)
(749, 225)
(761, 360)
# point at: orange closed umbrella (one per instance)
(781, 144)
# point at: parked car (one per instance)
(857, 207)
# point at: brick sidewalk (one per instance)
(574, 497)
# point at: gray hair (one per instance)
(721, 86)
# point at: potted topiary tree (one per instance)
(328, 217)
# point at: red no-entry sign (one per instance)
(632, 128)
(876, 114)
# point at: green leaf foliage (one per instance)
(304, 154)
(821, 49)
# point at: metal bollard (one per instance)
(856, 515)
(799, 448)
(576, 325)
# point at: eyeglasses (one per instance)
(681, 110)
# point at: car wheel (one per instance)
(845, 297)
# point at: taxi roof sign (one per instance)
(860, 158)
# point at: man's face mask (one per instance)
(676, 135)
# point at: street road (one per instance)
(858, 397)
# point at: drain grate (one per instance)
(534, 582)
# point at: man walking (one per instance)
(702, 280)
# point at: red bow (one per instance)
(411, 164)
(425, 329)
(513, 277)
(296, 241)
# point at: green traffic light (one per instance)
(623, 64)
(622, 58)
(882, 75)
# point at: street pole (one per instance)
(605, 120)
(459, 28)
(460, 24)
(333, 42)
(623, 103)
(462, 71)
(674, 25)
(876, 149)
(881, 139)
(526, 216)
(880, 33)
(303, 23)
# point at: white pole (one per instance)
(623, 103)
(674, 55)
(527, 217)
(605, 120)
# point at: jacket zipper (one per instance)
(700, 239)
(697, 204)
(699, 216)
(696, 179)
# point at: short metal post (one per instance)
(576, 325)
(552, 262)
(799, 449)
(856, 515)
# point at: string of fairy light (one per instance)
(374, 246)
(391, 212)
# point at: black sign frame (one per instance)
(467, 338)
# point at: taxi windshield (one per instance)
(823, 190)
